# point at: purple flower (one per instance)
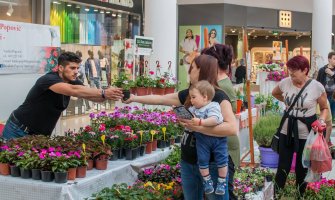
(77, 154)
(58, 154)
(20, 153)
(5, 147)
(42, 156)
(52, 154)
(92, 115)
(51, 149)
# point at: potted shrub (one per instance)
(264, 130)
(25, 163)
(60, 166)
(159, 86)
(142, 84)
(4, 161)
(46, 168)
(130, 145)
(73, 162)
(123, 81)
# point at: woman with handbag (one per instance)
(300, 95)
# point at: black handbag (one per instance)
(275, 138)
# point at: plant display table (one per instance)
(120, 171)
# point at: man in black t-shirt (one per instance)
(50, 96)
(240, 73)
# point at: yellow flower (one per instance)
(149, 183)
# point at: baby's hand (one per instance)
(196, 121)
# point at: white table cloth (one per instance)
(119, 171)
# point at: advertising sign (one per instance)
(28, 48)
(143, 45)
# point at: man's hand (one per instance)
(329, 71)
(113, 93)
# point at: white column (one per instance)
(322, 27)
(160, 22)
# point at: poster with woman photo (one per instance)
(189, 43)
(210, 35)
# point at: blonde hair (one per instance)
(205, 89)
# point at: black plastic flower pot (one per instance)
(15, 171)
(60, 177)
(25, 173)
(268, 178)
(126, 95)
(36, 174)
(178, 138)
(115, 154)
(129, 154)
(122, 153)
(142, 149)
(161, 144)
(47, 176)
(167, 143)
(135, 153)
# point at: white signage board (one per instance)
(28, 48)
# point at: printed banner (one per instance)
(210, 35)
(28, 48)
(143, 45)
(189, 46)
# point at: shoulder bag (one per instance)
(275, 138)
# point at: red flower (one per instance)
(151, 72)
(162, 80)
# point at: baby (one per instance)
(208, 113)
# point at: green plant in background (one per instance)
(271, 104)
(259, 98)
(265, 128)
(174, 157)
(123, 81)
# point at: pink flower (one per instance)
(58, 154)
(151, 72)
(51, 149)
(44, 151)
(102, 127)
(42, 156)
(20, 154)
(77, 154)
(52, 154)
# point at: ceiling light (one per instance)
(78, 6)
(55, 2)
(102, 12)
(119, 15)
(332, 34)
(114, 15)
(87, 9)
(95, 10)
(249, 33)
(69, 5)
(10, 10)
(108, 12)
(266, 37)
(233, 30)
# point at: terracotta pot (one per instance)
(101, 164)
(169, 90)
(154, 145)
(71, 173)
(158, 91)
(148, 148)
(90, 164)
(133, 90)
(141, 91)
(81, 172)
(4, 169)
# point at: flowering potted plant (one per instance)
(170, 83)
(159, 87)
(143, 83)
(130, 145)
(4, 160)
(123, 81)
(276, 75)
(60, 165)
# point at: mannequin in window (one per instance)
(105, 68)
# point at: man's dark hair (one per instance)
(331, 54)
(67, 57)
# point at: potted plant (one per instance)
(4, 161)
(142, 84)
(60, 166)
(264, 130)
(130, 145)
(170, 83)
(73, 162)
(239, 101)
(25, 163)
(46, 168)
(159, 86)
(123, 81)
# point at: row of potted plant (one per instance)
(161, 181)
(44, 158)
(146, 84)
(323, 189)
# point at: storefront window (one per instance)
(90, 25)
(18, 10)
